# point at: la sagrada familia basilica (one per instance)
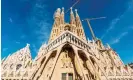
(67, 56)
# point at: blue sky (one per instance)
(30, 21)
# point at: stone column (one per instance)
(80, 64)
(53, 66)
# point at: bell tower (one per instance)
(74, 26)
(79, 27)
(57, 21)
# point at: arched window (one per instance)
(18, 66)
(5, 66)
(67, 27)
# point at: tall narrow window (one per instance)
(18, 66)
(70, 76)
(64, 76)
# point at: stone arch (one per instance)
(67, 27)
(43, 60)
(92, 60)
(96, 67)
(71, 54)
(84, 59)
(52, 55)
(69, 48)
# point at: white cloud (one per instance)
(17, 42)
(120, 19)
(112, 25)
(4, 49)
(130, 5)
(39, 24)
(117, 39)
(39, 5)
(34, 48)
(39, 20)
(10, 20)
(22, 36)
(44, 31)
(131, 27)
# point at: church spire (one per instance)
(76, 11)
(78, 21)
(80, 30)
(62, 16)
(57, 22)
(57, 13)
(72, 18)
(57, 17)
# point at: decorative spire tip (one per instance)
(58, 9)
(71, 8)
(62, 8)
(27, 45)
(76, 10)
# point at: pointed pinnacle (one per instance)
(62, 8)
(76, 11)
(71, 10)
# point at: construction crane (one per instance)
(88, 21)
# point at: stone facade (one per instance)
(67, 56)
